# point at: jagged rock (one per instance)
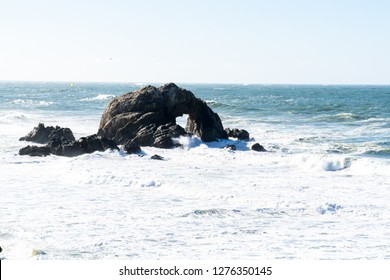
(148, 117)
(240, 134)
(157, 157)
(42, 134)
(258, 148)
(35, 151)
(230, 147)
(60, 145)
(132, 148)
(93, 143)
(89, 144)
(72, 149)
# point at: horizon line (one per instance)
(141, 83)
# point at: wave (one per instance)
(216, 104)
(15, 116)
(322, 162)
(378, 153)
(30, 102)
(342, 117)
(349, 116)
(99, 97)
(212, 212)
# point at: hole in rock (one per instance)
(182, 121)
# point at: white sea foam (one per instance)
(309, 197)
(98, 97)
(28, 102)
(200, 198)
(321, 162)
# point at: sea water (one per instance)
(320, 192)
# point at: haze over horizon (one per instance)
(245, 42)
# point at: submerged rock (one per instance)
(230, 147)
(157, 157)
(42, 134)
(148, 117)
(258, 148)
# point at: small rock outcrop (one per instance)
(85, 145)
(240, 134)
(157, 157)
(258, 148)
(35, 151)
(148, 117)
(61, 142)
(42, 134)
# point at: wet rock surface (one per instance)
(148, 117)
(43, 135)
(61, 142)
(240, 134)
(258, 148)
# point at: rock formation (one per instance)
(148, 117)
(240, 134)
(61, 142)
(42, 134)
(145, 117)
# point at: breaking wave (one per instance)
(99, 97)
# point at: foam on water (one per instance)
(98, 97)
(314, 195)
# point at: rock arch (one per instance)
(148, 117)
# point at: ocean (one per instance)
(320, 192)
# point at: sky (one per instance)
(196, 41)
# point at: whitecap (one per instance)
(322, 162)
(187, 142)
(29, 102)
(99, 97)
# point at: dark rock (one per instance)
(164, 142)
(35, 151)
(148, 117)
(89, 144)
(72, 149)
(42, 134)
(240, 134)
(62, 133)
(230, 147)
(258, 148)
(157, 157)
(132, 148)
(61, 146)
(108, 143)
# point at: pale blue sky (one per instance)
(206, 41)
